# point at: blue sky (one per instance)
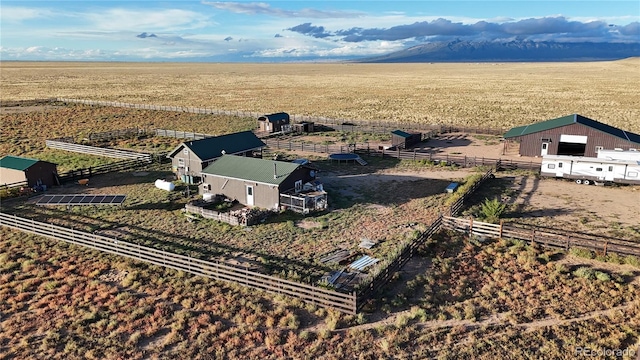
(258, 31)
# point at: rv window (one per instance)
(559, 165)
(551, 166)
(610, 168)
(598, 148)
(598, 169)
(632, 174)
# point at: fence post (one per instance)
(471, 228)
(501, 226)
(533, 236)
(605, 247)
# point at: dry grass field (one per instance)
(473, 94)
(458, 299)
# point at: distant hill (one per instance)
(529, 51)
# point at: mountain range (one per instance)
(489, 51)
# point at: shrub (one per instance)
(583, 253)
(602, 276)
(585, 272)
(491, 210)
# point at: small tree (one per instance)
(491, 210)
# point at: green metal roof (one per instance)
(211, 148)
(568, 120)
(252, 169)
(401, 133)
(17, 163)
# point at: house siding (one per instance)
(9, 176)
(530, 145)
(41, 171)
(265, 195)
(191, 160)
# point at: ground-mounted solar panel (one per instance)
(80, 199)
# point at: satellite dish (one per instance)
(223, 152)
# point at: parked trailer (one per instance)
(586, 170)
(619, 154)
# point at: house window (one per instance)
(298, 185)
(551, 166)
(185, 151)
(181, 162)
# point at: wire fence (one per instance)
(361, 125)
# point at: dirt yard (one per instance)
(611, 210)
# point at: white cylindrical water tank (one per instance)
(207, 197)
(165, 185)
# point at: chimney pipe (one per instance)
(275, 173)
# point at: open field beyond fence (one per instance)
(499, 95)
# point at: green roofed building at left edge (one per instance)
(15, 169)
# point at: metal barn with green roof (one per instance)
(15, 169)
(570, 135)
(255, 182)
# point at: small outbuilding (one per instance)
(574, 135)
(14, 169)
(303, 127)
(273, 122)
(261, 183)
(191, 157)
(402, 139)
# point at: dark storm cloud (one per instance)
(547, 27)
(632, 29)
(310, 30)
(144, 35)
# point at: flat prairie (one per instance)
(471, 94)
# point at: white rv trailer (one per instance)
(619, 154)
(586, 170)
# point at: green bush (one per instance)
(585, 272)
(491, 210)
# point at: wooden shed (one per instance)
(573, 135)
(303, 127)
(255, 182)
(402, 139)
(191, 157)
(14, 169)
(273, 122)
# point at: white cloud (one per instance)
(147, 20)
(16, 14)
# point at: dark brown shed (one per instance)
(14, 169)
(570, 135)
(403, 139)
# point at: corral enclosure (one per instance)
(487, 94)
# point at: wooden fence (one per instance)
(360, 125)
(103, 169)
(412, 155)
(116, 134)
(345, 303)
(181, 134)
(93, 150)
(543, 236)
(380, 280)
